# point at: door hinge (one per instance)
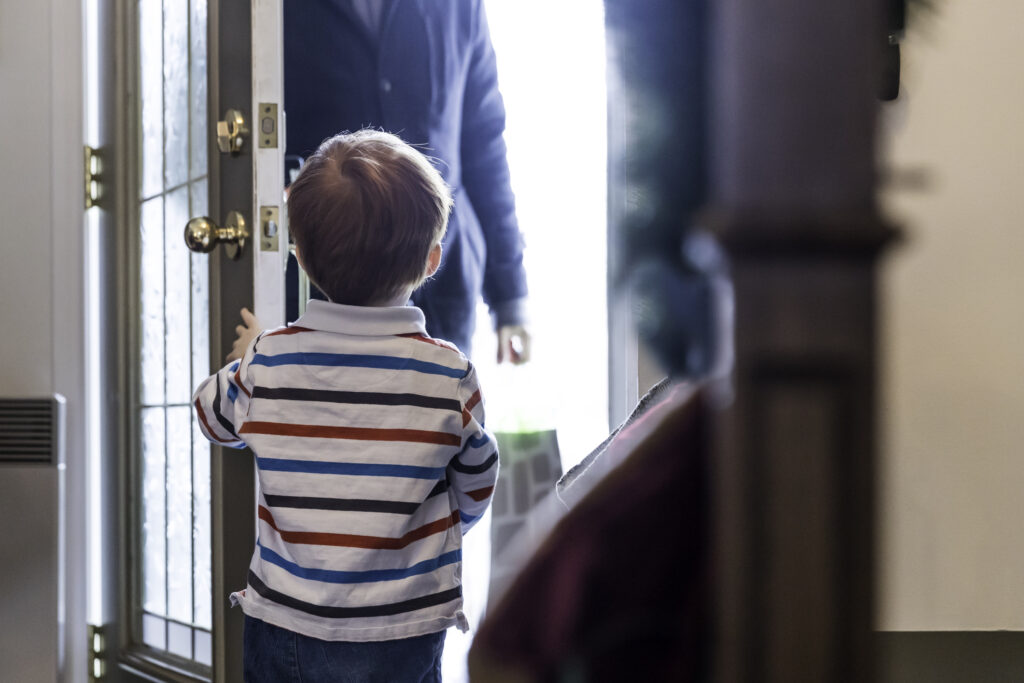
(93, 176)
(97, 653)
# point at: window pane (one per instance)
(200, 295)
(179, 513)
(204, 648)
(154, 631)
(175, 594)
(197, 95)
(178, 286)
(179, 640)
(151, 66)
(154, 537)
(176, 91)
(152, 301)
(201, 542)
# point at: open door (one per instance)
(247, 182)
(195, 118)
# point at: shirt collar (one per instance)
(362, 320)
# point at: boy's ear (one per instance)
(434, 260)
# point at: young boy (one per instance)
(369, 435)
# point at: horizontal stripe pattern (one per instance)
(358, 541)
(364, 576)
(218, 412)
(334, 612)
(354, 433)
(352, 469)
(356, 398)
(238, 380)
(395, 507)
(478, 441)
(481, 494)
(487, 464)
(349, 360)
(210, 433)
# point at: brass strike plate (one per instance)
(270, 227)
(267, 124)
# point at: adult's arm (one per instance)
(485, 177)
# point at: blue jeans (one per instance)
(277, 655)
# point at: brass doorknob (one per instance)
(202, 235)
(231, 132)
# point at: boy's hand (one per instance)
(513, 344)
(246, 333)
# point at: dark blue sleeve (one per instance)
(485, 174)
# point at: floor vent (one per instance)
(30, 429)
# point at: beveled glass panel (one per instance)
(179, 513)
(179, 640)
(200, 199)
(154, 631)
(178, 307)
(176, 92)
(204, 647)
(201, 542)
(154, 527)
(200, 295)
(174, 488)
(198, 89)
(153, 369)
(151, 50)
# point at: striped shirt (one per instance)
(373, 461)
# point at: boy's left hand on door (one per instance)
(247, 331)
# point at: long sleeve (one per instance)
(222, 402)
(474, 470)
(485, 173)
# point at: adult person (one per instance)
(426, 71)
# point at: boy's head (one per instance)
(367, 212)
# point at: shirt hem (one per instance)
(364, 634)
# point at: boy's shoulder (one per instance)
(442, 352)
(441, 343)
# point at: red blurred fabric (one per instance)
(619, 589)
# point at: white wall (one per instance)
(41, 282)
(953, 342)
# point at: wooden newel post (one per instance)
(793, 88)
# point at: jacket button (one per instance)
(385, 85)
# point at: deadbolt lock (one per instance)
(232, 132)
(202, 235)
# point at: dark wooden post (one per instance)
(793, 87)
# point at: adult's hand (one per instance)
(513, 344)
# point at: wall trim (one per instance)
(67, 251)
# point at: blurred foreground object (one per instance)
(618, 590)
(755, 122)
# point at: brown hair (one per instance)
(365, 211)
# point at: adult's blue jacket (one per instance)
(430, 77)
